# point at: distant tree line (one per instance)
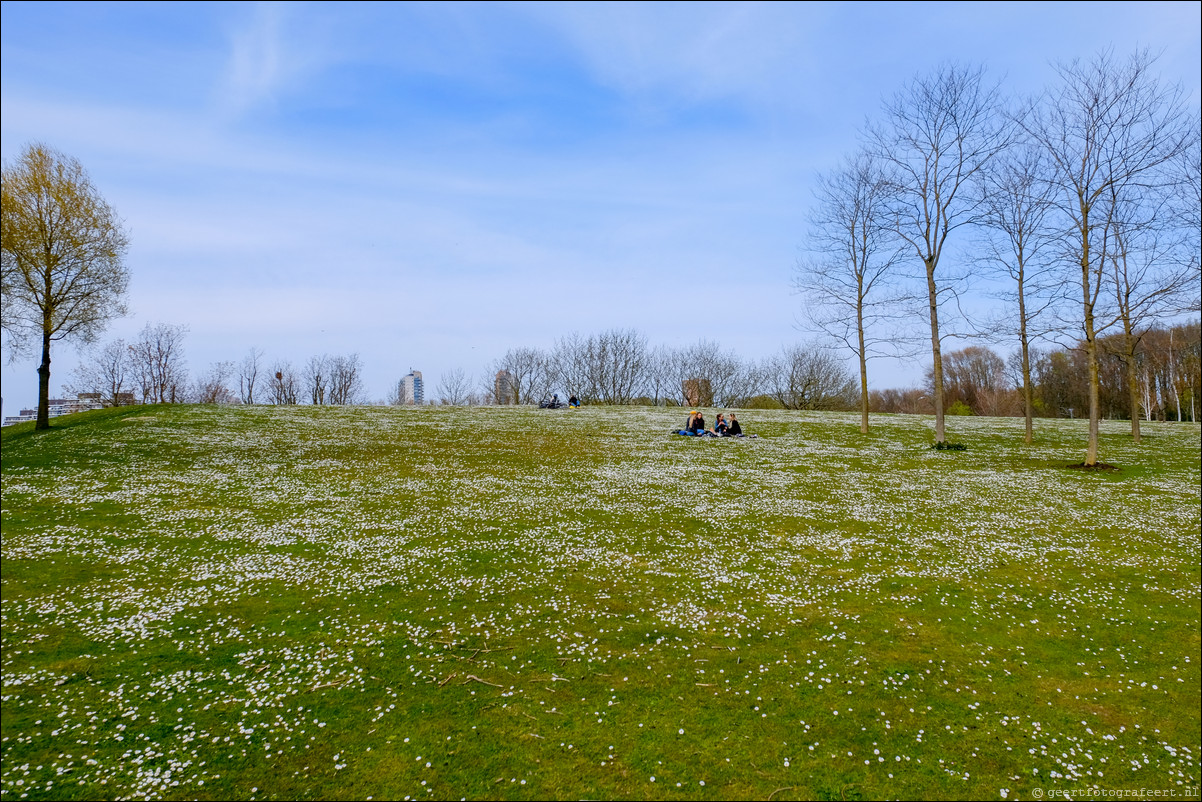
(978, 381)
(620, 367)
(153, 370)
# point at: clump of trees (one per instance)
(1082, 206)
(980, 382)
(153, 370)
(620, 367)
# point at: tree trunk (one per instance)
(1091, 356)
(1132, 379)
(863, 365)
(937, 356)
(43, 421)
(1028, 395)
(1091, 342)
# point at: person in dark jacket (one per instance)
(733, 429)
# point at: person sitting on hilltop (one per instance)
(720, 426)
(733, 429)
(695, 424)
(573, 402)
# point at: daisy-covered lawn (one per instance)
(314, 603)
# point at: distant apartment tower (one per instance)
(415, 392)
(503, 388)
(698, 392)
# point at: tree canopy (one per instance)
(64, 273)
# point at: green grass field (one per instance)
(316, 603)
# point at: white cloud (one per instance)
(256, 69)
(693, 52)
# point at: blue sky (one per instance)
(430, 184)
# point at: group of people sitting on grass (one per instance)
(723, 426)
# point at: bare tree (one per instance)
(621, 359)
(158, 360)
(808, 377)
(847, 285)
(248, 374)
(211, 386)
(1019, 244)
(529, 375)
(1188, 200)
(570, 361)
(608, 368)
(1110, 133)
(284, 385)
(317, 378)
(398, 396)
(105, 371)
(62, 252)
(976, 376)
(1149, 284)
(454, 386)
(346, 379)
(705, 375)
(661, 382)
(938, 134)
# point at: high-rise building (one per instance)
(414, 389)
(503, 388)
(698, 392)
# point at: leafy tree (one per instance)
(64, 275)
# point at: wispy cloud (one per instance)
(683, 52)
(256, 70)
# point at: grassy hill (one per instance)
(314, 603)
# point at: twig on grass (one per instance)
(473, 677)
(778, 790)
(486, 649)
(450, 676)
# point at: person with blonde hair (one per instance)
(695, 426)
